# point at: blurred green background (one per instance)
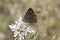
(48, 17)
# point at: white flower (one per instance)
(20, 28)
(16, 33)
(21, 37)
(30, 30)
(13, 27)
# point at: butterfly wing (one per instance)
(30, 16)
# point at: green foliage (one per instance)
(5, 1)
(49, 8)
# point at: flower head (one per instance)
(20, 28)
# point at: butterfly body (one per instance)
(30, 17)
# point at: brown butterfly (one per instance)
(30, 17)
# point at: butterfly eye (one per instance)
(30, 17)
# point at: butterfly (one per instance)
(30, 17)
